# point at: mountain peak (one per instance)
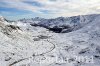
(2, 18)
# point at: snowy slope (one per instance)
(37, 46)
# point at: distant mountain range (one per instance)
(62, 24)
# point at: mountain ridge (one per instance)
(35, 45)
(62, 24)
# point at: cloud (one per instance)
(55, 8)
(70, 7)
(19, 4)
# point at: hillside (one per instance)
(35, 44)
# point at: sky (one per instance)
(18, 9)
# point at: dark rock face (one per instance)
(9, 28)
(56, 30)
(13, 27)
(61, 29)
(34, 25)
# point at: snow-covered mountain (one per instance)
(62, 24)
(29, 45)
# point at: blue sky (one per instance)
(17, 9)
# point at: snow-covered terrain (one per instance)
(24, 44)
